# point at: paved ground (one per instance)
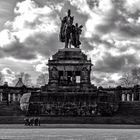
(78, 126)
(69, 134)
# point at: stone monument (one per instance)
(69, 91)
(70, 33)
(69, 74)
(69, 66)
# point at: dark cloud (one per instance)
(39, 43)
(2, 54)
(111, 64)
(93, 3)
(130, 30)
(89, 44)
(97, 39)
(117, 21)
(44, 44)
(124, 46)
(120, 6)
(99, 80)
(114, 23)
(111, 21)
(109, 83)
(96, 80)
(79, 17)
(18, 50)
(132, 59)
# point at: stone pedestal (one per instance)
(68, 65)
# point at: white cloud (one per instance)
(7, 71)
(91, 24)
(81, 5)
(6, 38)
(96, 16)
(9, 75)
(34, 23)
(132, 5)
(105, 5)
(30, 19)
(42, 68)
(112, 34)
(115, 76)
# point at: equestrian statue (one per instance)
(70, 33)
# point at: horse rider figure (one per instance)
(66, 29)
(69, 33)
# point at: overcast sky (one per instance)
(29, 35)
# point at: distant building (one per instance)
(13, 94)
(19, 83)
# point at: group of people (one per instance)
(32, 121)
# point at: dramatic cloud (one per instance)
(44, 44)
(41, 68)
(33, 29)
(111, 64)
(7, 71)
(9, 75)
(132, 6)
(110, 35)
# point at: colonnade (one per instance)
(11, 97)
(127, 97)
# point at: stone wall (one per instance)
(129, 108)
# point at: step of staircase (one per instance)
(13, 109)
(129, 108)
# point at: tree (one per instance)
(126, 80)
(136, 75)
(42, 79)
(16, 78)
(131, 78)
(26, 79)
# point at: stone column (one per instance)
(123, 97)
(128, 97)
(1, 96)
(132, 97)
(14, 97)
(19, 96)
(9, 97)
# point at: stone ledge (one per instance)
(70, 49)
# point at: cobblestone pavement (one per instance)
(69, 134)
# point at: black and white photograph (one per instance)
(69, 69)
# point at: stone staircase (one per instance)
(13, 109)
(129, 108)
